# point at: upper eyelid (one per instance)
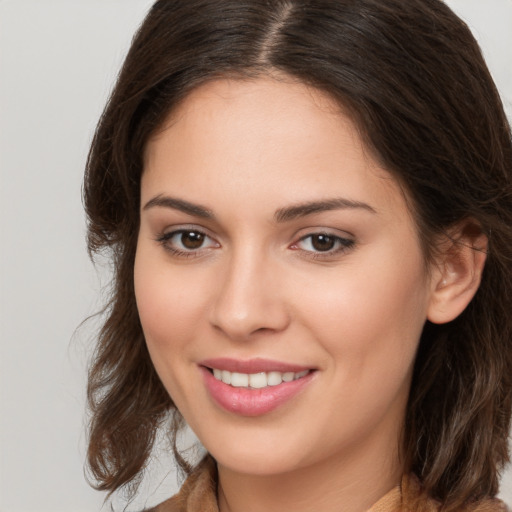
(202, 223)
(177, 228)
(322, 230)
(166, 233)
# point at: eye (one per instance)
(186, 241)
(323, 243)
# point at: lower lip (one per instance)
(253, 402)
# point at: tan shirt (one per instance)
(199, 494)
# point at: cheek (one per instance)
(370, 315)
(169, 306)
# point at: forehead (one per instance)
(259, 114)
(276, 138)
(277, 105)
(278, 90)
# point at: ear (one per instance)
(458, 271)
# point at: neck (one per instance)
(352, 483)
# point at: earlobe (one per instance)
(457, 275)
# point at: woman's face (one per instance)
(275, 255)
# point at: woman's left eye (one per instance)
(186, 241)
(323, 243)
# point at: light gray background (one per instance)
(58, 60)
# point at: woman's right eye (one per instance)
(186, 242)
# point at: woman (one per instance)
(308, 206)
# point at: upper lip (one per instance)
(249, 366)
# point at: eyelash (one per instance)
(165, 240)
(341, 244)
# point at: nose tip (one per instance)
(249, 302)
(241, 325)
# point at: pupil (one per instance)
(192, 239)
(323, 242)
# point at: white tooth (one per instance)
(226, 377)
(217, 374)
(239, 380)
(258, 380)
(288, 376)
(274, 378)
(301, 374)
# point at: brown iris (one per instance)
(322, 242)
(192, 239)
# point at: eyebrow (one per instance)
(179, 204)
(303, 209)
(282, 215)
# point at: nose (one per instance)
(249, 299)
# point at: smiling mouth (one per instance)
(256, 380)
(254, 387)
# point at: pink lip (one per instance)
(252, 365)
(252, 402)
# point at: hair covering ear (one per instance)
(458, 272)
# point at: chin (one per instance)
(259, 451)
(260, 462)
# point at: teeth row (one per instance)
(256, 380)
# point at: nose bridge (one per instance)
(247, 299)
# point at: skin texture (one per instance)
(257, 287)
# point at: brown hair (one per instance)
(414, 80)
